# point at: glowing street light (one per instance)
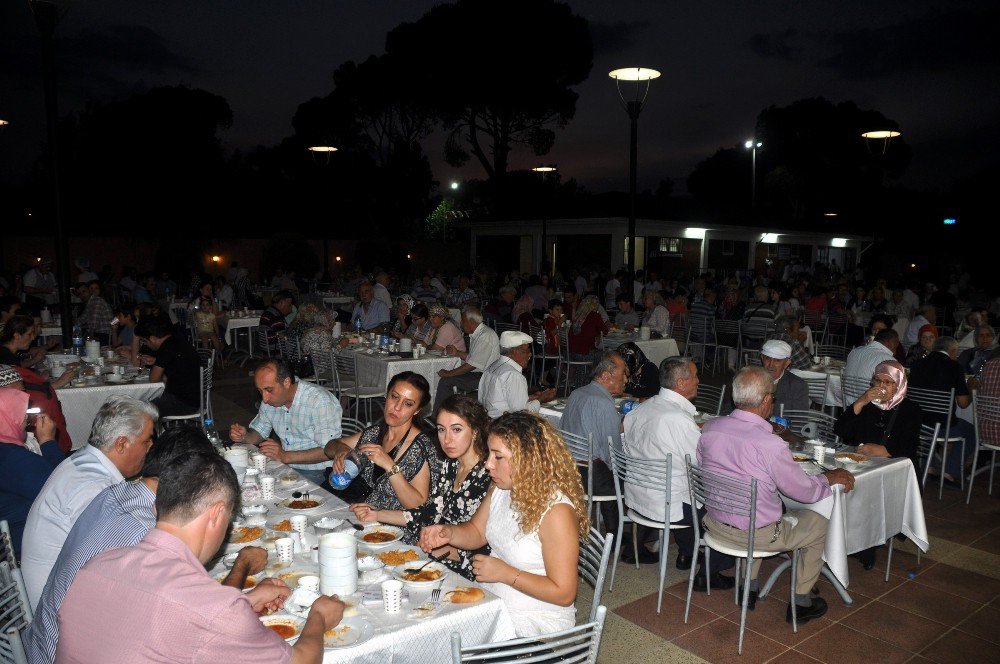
(752, 145)
(454, 185)
(884, 135)
(544, 266)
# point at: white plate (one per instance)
(250, 583)
(397, 546)
(254, 542)
(288, 501)
(288, 619)
(292, 575)
(849, 461)
(350, 632)
(397, 534)
(400, 571)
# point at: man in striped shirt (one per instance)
(861, 361)
(119, 516)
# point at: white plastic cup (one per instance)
(239, 455)
(309, 583)
(259, 462)
(285, 547)
(267, 487)
(241, 472)
(298, 523)
(416, 353)
(251, 477)
(644, 333)
(819, 453)
(392, 595)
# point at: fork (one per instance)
(436, 595)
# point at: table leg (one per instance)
(826, 572)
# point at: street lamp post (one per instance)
(752, 145)
(544, 264)
(326, 151)
(641, 77)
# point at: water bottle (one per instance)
(77, 340)
(627, 406)
(212, 433)
(357, 326)
(351, 469)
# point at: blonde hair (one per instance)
(541, 469)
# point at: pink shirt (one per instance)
(743, 445)
(155, 602)
(449, 334)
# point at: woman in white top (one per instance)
(533, 520)
(656, 317)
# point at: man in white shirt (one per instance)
(41, 283)
(662, 425)
(613, 288)
(503, 387)
(861, 361)
(373, 313)
(121, 436)
(484, 350)
(926, 315)
(381, 289)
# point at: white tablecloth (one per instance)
(337, 301)
(49, 331)
(236, 323)
(80, 404)
(834, 397)
(655, 350)
(379, 369)
(885, 501)
(399, 639)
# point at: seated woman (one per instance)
(655, 317)
(589, 323)
(521, 314)
(926, 337)
(444, 333)
(643, 376)
(315, 328)
(22, 472)
(461, 485)
(420, 324)
(553, 321)
(15, 342)
(401, 319)
(882, 423)
(40, 395)
(398, 462)
(533, 520)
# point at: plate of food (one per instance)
(377, 536)
(251, 580)
(284, 625)
(280, 525)
(418, 575)
(303, 504)
(350, 632)
(245, 534)
(850, 457)
(400, 555)
(801, 458)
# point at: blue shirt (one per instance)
(311, 421)
(590, 409)
(377, 314)
(119, 516)
(22, 476)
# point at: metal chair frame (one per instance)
(730, 331)
(812, 424)
(577, 644)
(565, 360)
(940, 402)
(538, 353)
(709, 399)
(595, 553)
(985, 409)
(15, 614)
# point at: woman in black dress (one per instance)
(461, 483)
(643, 379)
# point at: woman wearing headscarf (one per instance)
(643, 375)
(401, 317)
(443, 332)
(521, 314)
(589, 323)
(882, 423)
(926, 337)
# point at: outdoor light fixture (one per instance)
(216, 259)
(695, 233)
(838, 242)
(409, 255)
(38, 259)
(337, 259)
(3, 123)
(454, 185)
(544, 169)
(769, 238)
(913, 266)
(321, 148)
(884, 135)
(640, 77)
(829, 214)
(752, 145)
(543, 266)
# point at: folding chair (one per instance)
(565, 360)
(987, 419)
(942, 403)
(700, 335)
(812, 424)
(576, 644)
(816, 320)
(15, 614)
(539, 354)
(346, 365)
(818, 390)
(709, 399)
(595, 553)
(727, 336)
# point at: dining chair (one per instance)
(507, 327)
(941, 403)
(723, 494)
(833, 352)
(986, 415)
(566, 362)
(346, 365)
(926, 444)
(818, 390)
(700, 335)
(539, 355)
(752, 358)
(15, 614)
(816, 321)
(709, 398)
(650, 475)
(264, 341)
(811, 424)
(577, 644)
(852, 387)
(204, 411)
(350, 426)
(836, 330)
(727, 337)
(7, 544)
(288, 348)
(595, 553)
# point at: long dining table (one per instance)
(399, 638)
(376, 368)
(80, 404)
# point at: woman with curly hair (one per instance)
(533, 520)
(461, 484)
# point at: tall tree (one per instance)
(497, 72)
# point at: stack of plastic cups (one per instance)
(338, 564)
(238, 458)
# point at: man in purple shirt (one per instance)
(155, 601)
(743, 445)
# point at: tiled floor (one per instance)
(945, 609)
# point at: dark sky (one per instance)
(932, 67)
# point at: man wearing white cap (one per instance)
(502, 387)
(789, 390)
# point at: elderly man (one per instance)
(301, 414)
(118, 516)
(175, 611)
(464, 295)
(590, 410)
(373, 314)
(503, 388)
(176, 361)
(861, 361)
(425, 292)
(788, 331)
(664, 425)
(484, 350)
(743, 445)
(627, 318)
(380, 289)
(926, 315)
(95, 319)
(500, 309)
(121, 436)
(972, 359)
(790, 391)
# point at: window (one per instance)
(728, 248)
(670, 245)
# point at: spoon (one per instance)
(431, 559)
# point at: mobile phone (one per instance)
(31, 415)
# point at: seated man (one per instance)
(972, 359)
(484, 349)
(790, 391)
(123, 327)
(176, 364)
(743, 445)
(662, 425)
(274, 317)
(591, 410)
(756, 318)
(500, 308)
(95, 319)
(627, 317)
(425, 292)
(372, 313)
(303, 415)
(173, 610)
(926, 315)
(788, 331)
(120, 515)
(503, 387)
(861, 361)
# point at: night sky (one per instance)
(932, 67)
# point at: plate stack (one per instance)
(338, 564)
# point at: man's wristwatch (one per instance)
(392, 471)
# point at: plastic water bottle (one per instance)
(77, 340)
(212, 433)
(357, 326)
(627, 406)
(351, 470)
